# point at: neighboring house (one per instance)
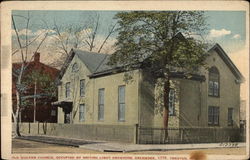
(91, 92)
(45, 112)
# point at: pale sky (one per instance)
(228, 28)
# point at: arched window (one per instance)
(214, 82)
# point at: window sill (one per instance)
(214, 96)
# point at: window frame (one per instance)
(214, 115)
(101, 105)
(121, 116)
(172, 90)
(67, 89)
(81, 112)
(214, 82)
(82, 87)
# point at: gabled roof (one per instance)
(98, 63)
(95, 62)
(216, 47)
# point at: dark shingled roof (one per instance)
(95, 62)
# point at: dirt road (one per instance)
(25, 146)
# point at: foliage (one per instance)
(156, 36)
(45, 84)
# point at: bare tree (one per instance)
(83, 36)
(23, 51)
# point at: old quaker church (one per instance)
(96, 102)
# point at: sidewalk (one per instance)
(124, 147)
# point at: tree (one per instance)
(41, 85)
(79, 36)
(23, 53)
(156, 36)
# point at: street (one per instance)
(25, 146)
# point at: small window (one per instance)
(81, 112)
(82, 87)
(213, 115)
(230, 116)
(101, 104)
(53, 113)
(121, 103)
(67, 89)
(75, 67)
(67, 117)
(171, 103)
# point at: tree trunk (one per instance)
(18, 101)
(166, 107)
(16, 124)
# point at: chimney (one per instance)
(37, 57)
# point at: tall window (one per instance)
(213, 83)
(213, 115)
(121, 103)
(82, 87)
(230, 116)
(81, 112)
(171, 103)
(67, 89)
(101, 104)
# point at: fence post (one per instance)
(38, 127)
(29, 127)
(214, 135)
(136, 134)
(181, 129)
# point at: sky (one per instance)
(224, 27)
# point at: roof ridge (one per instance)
(101, 63)
(90, 52)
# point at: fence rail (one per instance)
(188, 135)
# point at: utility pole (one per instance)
(35, 102)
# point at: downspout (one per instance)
(139, 98)
(139, 106)
(93, 113)
(199, 115)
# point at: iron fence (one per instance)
(188, 135)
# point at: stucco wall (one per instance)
(110, 83)
(190, 103)
(194, 99)
(229, 91)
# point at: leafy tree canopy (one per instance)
(158, 36)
